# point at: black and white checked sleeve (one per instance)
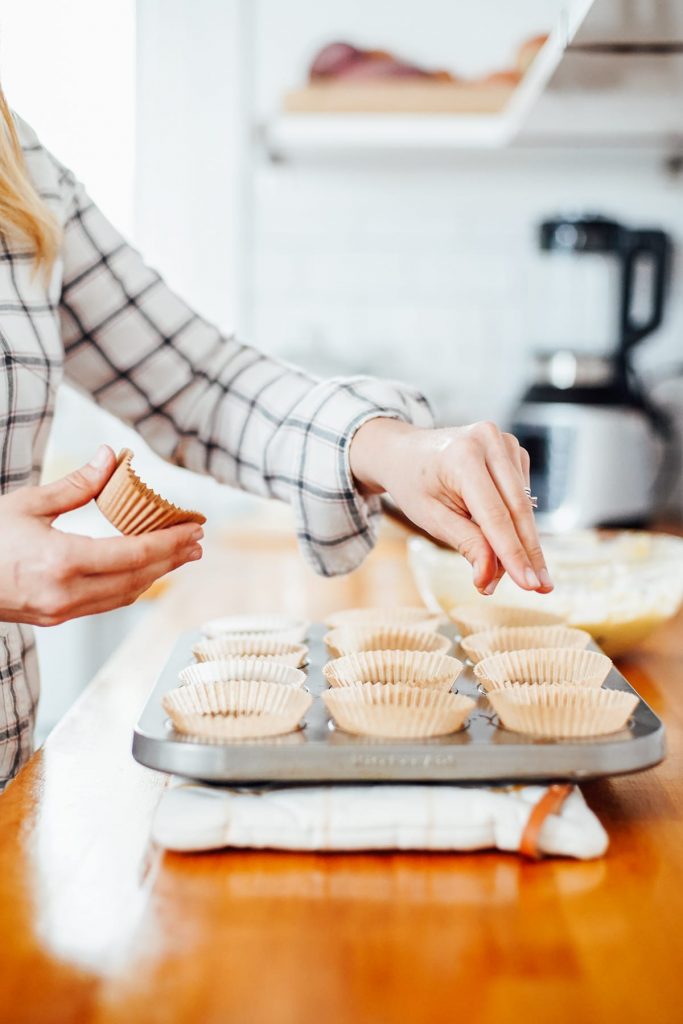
(212, 404)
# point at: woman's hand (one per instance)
(463, 485)
(47, 576)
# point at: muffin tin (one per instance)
(319, 752)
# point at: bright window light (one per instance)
(68, 68)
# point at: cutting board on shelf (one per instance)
(399, 98)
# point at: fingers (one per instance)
(489, 510)
(85, 576)
(525, 461)
(131, 554)
(465, 537)
(114, 590)
(497, 577)
(74, 490)
(92, 594)
(519, 457)
(508, 465)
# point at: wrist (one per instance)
(373, 450)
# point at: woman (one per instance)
(77, 301)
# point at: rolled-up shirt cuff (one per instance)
(336, 524)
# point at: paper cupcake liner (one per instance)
(240, 709)
(559, 665)
(407, 668)
(518, 638)
(475, 618)
(230, 669)
(370, 618)
(401, 712)
(133, 507)
(286, 628)
(351, 640)
(251, 645)
(563, 712)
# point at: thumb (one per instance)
(78, 488)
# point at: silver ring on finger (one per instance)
(532, 497)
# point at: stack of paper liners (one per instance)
(350, 639)
(133, 508)
(474, 618)
(408, 668)
(239, 709)
(251, 645)
(560, 665)
(229, 669)
(518, 638)
(413, 617)
(400, 712)
(563, 712)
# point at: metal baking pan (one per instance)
(320, 753)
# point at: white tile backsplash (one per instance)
(432, 273)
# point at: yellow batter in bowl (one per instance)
(618, 585)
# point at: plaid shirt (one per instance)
(110, 326)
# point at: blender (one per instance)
(594, 437)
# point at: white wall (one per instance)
(191, 145)
(430, 271)
(69, 69)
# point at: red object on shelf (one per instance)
(344, 62)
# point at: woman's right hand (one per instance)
(47, 576)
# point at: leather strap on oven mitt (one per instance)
(534, 820)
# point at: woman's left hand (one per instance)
(464, 486)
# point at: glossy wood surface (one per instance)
(97, 926)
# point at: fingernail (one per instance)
(544, 577)
(194, 554)
(197, 533)
(475, 570)
(532, 579)
(101, 458)
(491, 587)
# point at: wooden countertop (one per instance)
(97, 926)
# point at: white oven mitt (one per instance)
(193, 817)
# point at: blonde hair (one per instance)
(23, 213)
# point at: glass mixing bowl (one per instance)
(618, 585)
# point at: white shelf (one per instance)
(297, 135)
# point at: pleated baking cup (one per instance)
(407, 668)
(556, 665)
(281, 627)
(133, 507)
(518, 638)
(237, 709)
(414, 617)
(352, 639)
(251, 645)
(562, 712)
(475, 618)
(230, 669)
(400, 712)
